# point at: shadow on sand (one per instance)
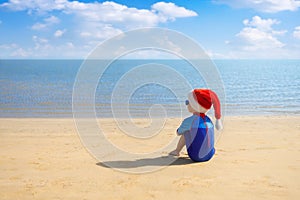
(159, 161)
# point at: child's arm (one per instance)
(185, 125)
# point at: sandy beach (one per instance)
(256, 158)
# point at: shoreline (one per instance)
(278, 115)
(256, 158)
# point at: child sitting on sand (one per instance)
(197, 131)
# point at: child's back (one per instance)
(200, 139)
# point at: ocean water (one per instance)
(44, 88)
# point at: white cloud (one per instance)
(296, 32)
(70, 45)
(43, 49)
(106, 12)
(269, 6)
(264, 25)
(260, 40)
(47, 22)
(85, 34)
(41, 46)
(261, 24)
(171, 11)
(20, 52)
(107, 19)
(39, 40)
(8, 46)
(113, 13)
(13, 50)
(215, 55)
(35, 5)
(52, 20)
(258, 34)
(98, 31)
(6, 49)
(58, 33)
(95, 22)
(256, 39)
(38, 26)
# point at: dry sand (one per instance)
(256, 158)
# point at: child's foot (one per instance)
(174, 153)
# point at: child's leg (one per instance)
(179, 147)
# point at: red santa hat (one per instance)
(201, 101)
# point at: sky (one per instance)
(226, 29)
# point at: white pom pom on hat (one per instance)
(201, 101)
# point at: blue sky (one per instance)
(233, 29)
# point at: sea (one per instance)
(45, 88)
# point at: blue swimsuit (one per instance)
(198, 132)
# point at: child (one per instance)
(197, 131)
